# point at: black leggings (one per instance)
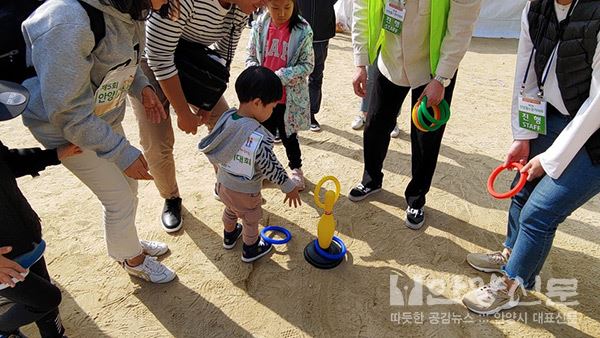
(292, 147)
(33, 300)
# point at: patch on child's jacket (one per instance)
(242, 163)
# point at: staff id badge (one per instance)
(112, 91)
(242, 163)
(532, 114)
(394, 16)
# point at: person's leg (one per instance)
(550, 203)
(290, 142)
(493, 261)
(547, 206)
(291, 145)
(248, 207)
(250, 211)
(232, 230)
(425, 148)
(536, 147)
(292, 150)
(229, 217)
(315, 81)
(157, 140)
(35, 299)
(385, 101)
(119, 202)
(272, 123)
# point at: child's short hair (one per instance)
(258, 82)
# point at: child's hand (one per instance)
(67, 150)
(9, 269)
(293, 197)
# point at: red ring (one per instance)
(515, 190)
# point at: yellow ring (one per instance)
(318, 190)
(415, 119)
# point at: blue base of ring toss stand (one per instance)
(336, 250)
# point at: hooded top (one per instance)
(243, 150)
(72, 98)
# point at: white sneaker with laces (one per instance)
(492, 298)
(298, 178)
(154, 248)
(359, 122)
(151, 270)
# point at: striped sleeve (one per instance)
(162, 37)
(201, 21)
(270, 167)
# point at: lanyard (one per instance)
(542, 81)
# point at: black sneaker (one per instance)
(230, 238)
(415, 218)
(314, 124)
(171, 215)
(250, 253)
(360, 192)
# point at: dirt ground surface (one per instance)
(282, 296)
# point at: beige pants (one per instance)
(157, 140)
(118, 195)
(238, 205)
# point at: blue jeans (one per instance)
(543, 204)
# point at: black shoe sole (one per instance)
(360, 198)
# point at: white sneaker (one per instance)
(395, 133)
(492, 298)
(358, 122)
(151, 270)
(153, 248)
(298, 178)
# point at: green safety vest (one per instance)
(437, 29)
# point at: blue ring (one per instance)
(286, 232)
(329, 256)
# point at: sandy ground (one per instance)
(282, 296)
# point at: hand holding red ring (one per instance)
(513, 191)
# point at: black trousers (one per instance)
(33, 300)
(276, 123)
(385, 101)
(315, 79)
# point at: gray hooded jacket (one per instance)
(61, 109)
(223, 145)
